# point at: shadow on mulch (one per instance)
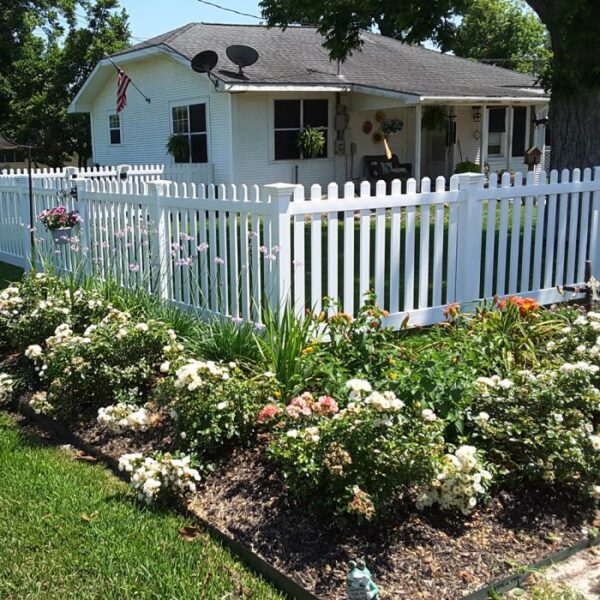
(412, 555)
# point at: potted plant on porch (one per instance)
(60, 222)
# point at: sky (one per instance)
(153, 17)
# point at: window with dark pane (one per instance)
(290, 117)
(190, 121)
(519, 131)
(316, 113)
(114, 127)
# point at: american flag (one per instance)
(122, 84)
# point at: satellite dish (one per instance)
(242, 56)
(205, 61)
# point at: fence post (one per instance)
(280, 195)
(80, 185)
(470, 232)
(595, 226)
(157, 189)
(27, 220)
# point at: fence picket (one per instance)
(332, 249)
(562, 231)
(424, 247)
(316, 253)
(395, 244)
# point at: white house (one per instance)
(243, 128)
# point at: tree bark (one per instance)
(575, 129)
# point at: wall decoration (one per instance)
(377, 137)
(380, 116)
(367, 127)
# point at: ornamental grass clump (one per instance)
(355, 459)
(539, 430)
(214, 405)
(160, 477)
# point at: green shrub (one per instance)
(31, 310)
(352, 462)
(540, 429)
(89, 371)
(214, 404)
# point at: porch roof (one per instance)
(296, 57)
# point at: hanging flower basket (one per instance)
(60, 222)
(62, 235)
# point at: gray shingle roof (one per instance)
(6, 144)
(296, 56)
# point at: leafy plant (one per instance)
(178, 147)
(466, 166)
(281, 345)
(434, 118)
(311, 142)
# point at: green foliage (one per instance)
(311, 142)
(466, 166)
(354, 461)
(214, 405)
(88, 518)
(505, 33)
(538, 428)
(31, 310)
(342, 21)
(178, 147)
(49, 59)
(281, 345)
(86, 372)
(225, 340)
(435, 118)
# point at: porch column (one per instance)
(483, 138)
(417, 172)
(510, 117)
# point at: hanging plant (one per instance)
(311, 142)
(434, 118)
(391, 126)
(178, 147)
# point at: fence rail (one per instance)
(226, 249)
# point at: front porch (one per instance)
(443, 133)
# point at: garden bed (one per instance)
(411, 555)
(447, 460)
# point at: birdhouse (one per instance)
(360, 586)
(533, 156)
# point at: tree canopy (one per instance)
(53, 47)
(505, 33)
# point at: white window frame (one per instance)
(272, 129)
(187, 102)
(109, 114)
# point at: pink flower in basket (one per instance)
(58, 218)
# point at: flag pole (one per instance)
(118, 68)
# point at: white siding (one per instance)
(146, 127)
(253, 144)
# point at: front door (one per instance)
(435, 154)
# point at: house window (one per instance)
(114, 128)
(190, 121)
(496, 131)
(291, 117)
(519, 131)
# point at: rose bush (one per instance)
(352, 461)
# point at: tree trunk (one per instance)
(575, 129)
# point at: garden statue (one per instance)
(360, 585)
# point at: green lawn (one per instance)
(9, 273)
(71, 530)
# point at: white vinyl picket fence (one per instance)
(226, 249)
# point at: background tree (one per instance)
(573, 78)
(49, 69)
(505, 33)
